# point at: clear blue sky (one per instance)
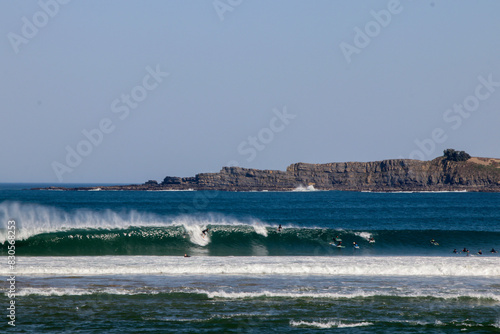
(232, 68)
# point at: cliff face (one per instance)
(387, 175)
(440, 174)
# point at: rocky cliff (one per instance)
(440, 174)
(387, 175)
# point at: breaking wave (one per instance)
(48, 231)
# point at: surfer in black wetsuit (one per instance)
(455, 251)
(480, 252)
(493, 250)
(279, 228)
(205, 231)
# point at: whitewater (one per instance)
(258, 265)
(108, 262)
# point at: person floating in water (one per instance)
(355, 245)
(185, 255)
(205, 231)
(455, 251)
(465, 250)
(493, 250)
(480, 252)
(279, 228)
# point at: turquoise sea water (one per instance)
(110, 262)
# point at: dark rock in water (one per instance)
(440, 174)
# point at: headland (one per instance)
(454, 171)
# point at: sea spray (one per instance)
(364, 235)
(328, 324)
(196, 235)
(260, 229)
(36, 219)
(301, 266)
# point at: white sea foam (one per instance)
(302, 188)
(406, 293)
(79, 292)
(172, 190)
(415, 192)
(196, 235)
(53, 292)
(273, 294)
(260, 265)
(329, 324)
(364, 235)
(260, 229)
(32, 219)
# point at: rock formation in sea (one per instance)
(455, 171)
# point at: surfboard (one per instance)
(357, 247)
(371, 241)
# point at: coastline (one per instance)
(396, 175)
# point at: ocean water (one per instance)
(112, 262)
